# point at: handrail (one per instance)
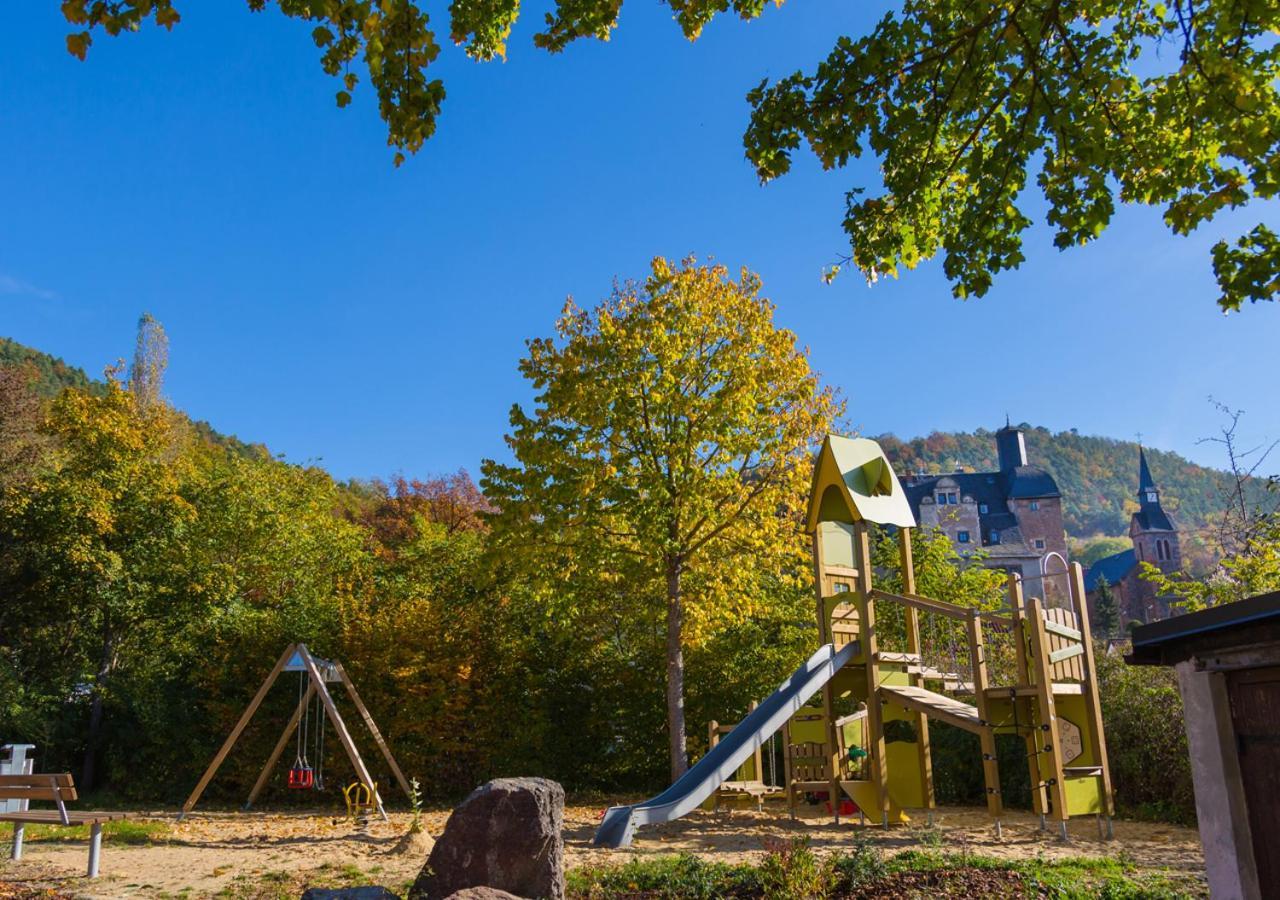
(927, 604)
(924, 603)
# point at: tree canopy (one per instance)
(670, 448)
(962, 103)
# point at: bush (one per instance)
(792, 871)
(1146, 740)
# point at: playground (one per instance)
(852, 724)
(227, 854)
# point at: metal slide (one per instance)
(719, 766)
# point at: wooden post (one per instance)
(788, 769)
(1039, 797)
(1092, 703)
(280, 745)
(235, 732)
(870, 649)
(373, 729)
(907, 561)
(987, 736)
(834, 790)
(339, 726)
(1051, 766)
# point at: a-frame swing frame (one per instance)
(296, 657)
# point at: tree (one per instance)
(150, 360)
(22, 444)
(960, 101)
(1248, 537)
(91, 545)
(1106, 614)
(669, 450)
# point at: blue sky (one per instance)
(340, 310)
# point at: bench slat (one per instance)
(37, 793)
(51, 817)
(45, 779)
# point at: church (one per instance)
(1155, 540)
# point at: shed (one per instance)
(1228, 664)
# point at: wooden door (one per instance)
(1255, 715)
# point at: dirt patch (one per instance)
(211, 853)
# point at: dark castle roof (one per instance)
(990, 489)
(1030, 481)
(1113, 568)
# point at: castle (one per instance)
(1155, 541)
(1014, 515)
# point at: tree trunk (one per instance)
(675, 669)
(105, 665)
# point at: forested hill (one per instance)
(1098, 476)
(52, 375)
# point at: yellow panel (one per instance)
(906, 787)
(837, 544)
(863, 793)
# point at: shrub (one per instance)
(792, 871)
(1146, 740)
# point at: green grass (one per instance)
(122, 831)
(794, 872)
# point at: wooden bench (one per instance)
(59, 790)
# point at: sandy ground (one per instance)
(224, 853)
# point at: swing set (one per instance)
(315, 710)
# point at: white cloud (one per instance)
(17, 287)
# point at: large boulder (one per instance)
(505, 835)
(482, 893)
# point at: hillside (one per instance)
(1098, 476)
(53, 375)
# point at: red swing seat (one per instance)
(302, 777)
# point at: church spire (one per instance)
(1145, 481)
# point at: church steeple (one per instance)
(1148, 494)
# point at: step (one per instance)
(938, 706)
(1060, 689)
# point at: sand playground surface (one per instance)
(237, 855)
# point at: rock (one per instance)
(505, 835)
(369, 892)
(482, 893)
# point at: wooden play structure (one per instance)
(1025, 670)
(307, 725)
(855, 716)
(749, 781)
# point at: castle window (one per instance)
(1138, 547)
(995, 536)
(962, 537)
(1035, 504)
(982, 508)
(952, 498)
(942, 499)
(1039, 544)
